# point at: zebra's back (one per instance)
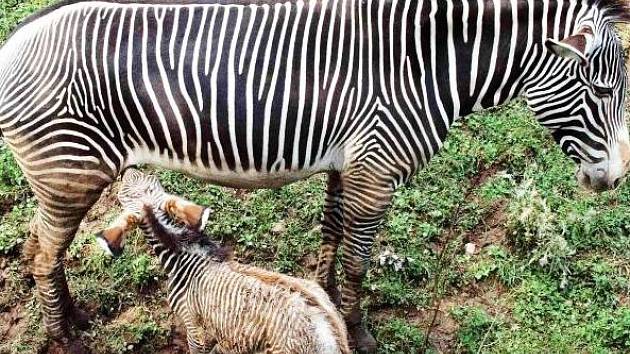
(246, 93)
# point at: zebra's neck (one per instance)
(476, 54)
(168, 258)
(178, 264)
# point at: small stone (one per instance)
(470, 248)
(278, 228)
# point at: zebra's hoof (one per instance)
(334, 294)
(361, 339)
(65, 344)
(76, 347)
(79, 318)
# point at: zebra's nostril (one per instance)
(617, 182)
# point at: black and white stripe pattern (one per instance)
(260, 93)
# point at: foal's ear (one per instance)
(576, 47)
(112, 241)
(191, 214)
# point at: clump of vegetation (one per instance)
(477, 329)
(14, 227)
(135, 329)
(12, 179)
(536, 231)
(398, 336)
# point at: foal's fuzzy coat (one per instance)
(235, 308)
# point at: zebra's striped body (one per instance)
(260, 93)
(234, 308)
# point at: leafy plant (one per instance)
(476, 328)
(399, 336)
(536, 230)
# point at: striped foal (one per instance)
(233, 308)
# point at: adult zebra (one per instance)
(260, 93)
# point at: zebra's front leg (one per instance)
(332, 232)
(364, 205)
(196, 335)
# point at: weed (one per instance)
(398, 336)
(476, 328)
(536, 232)
(14, 227)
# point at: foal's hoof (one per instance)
(361, 340)
(79, 318)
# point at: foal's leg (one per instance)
(112, 239)
(185, 211)
(196, 347)
(332, 232)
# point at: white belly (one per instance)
(248, 179)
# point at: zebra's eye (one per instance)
(603, 91)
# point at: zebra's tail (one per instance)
(313, 293)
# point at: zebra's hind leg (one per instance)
(56, 221)
(332, 232)
(366, 199)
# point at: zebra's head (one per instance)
(182, 238)
(137, 190)
(581, 99)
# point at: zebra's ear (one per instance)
(575, 47)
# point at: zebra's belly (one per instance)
(238, 178)
(251, 179)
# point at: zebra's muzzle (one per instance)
(607, 174)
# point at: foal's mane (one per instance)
(178, 238)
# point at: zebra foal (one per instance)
(262, 93)
(225, 305)
(233, 308)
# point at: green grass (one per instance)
(550, 273)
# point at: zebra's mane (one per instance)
(179, 238)
(618, 10)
